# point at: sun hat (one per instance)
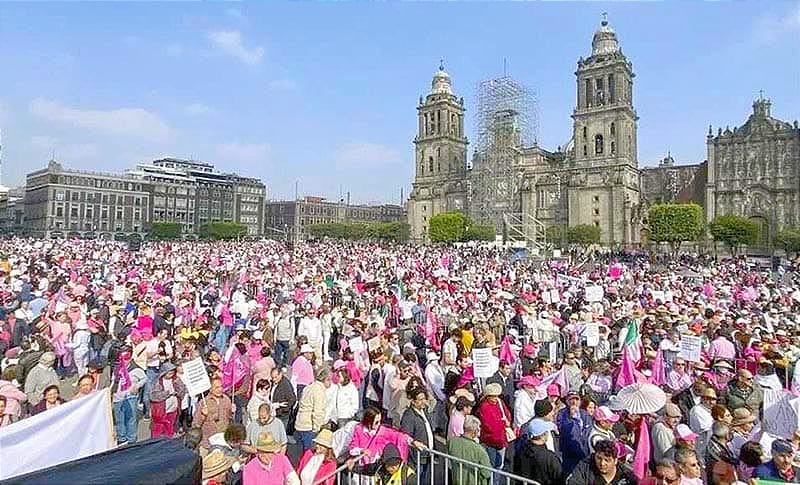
(215, 463)
(306, 349)
(602, 413)
(742, 416)
(685, 433)
(709, 392)
(266, 443)
(538, 427)
(324, 438)
(493, 389)
(672, 410)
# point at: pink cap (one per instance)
(529, 381)
(602, 413)
(529, 350)
(553, 390)
(684, 433)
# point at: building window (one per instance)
(613, 148)
(597, 212)
(611, 90)
(59, 196)
(588, 93)
(598, 144)
(584, 132)
(596, 223)
(596, 198)
(613, 129)
(430, 164)
(59, 211)
(584, 150)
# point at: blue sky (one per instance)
(325, 93)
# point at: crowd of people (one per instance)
(399, 364)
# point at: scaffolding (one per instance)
(505, 122)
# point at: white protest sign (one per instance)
(374, 343)
(594, 293)
(668, 296)
(556, 253)
(554, 296)
(483, 363)
(552, 350)
(659, 295)
(682, 328)
(592, 334)
(690, 348)
(195, 377)
(546, 298)
(780, 418)
(356, 344)
(119, 293)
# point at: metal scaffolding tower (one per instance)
(506, 121)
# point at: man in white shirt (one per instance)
(434, 379)
(311, 327)
(700, 419)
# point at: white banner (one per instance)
(484, 364)
(195, 377)
(594, 293)
(780, 417)
(690, 348)
(68, 432)
(592, 334)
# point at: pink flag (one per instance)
(627, 372)
(615, 271)
(123, 376)
(642, 457)
(233, 370)
(431, 330)
(558, 377)
(659, 376)
(506, 353)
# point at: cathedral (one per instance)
(595, 179)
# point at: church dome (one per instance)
(441, 82)
(605, 39)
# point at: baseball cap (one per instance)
(684, 433)
(538, 427)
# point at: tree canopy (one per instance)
(222, 230)
(675, 223)
(583, 234)
(734, 231)
(449, 227)
(165, 230)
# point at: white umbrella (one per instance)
(639, 398)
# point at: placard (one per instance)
(483, 363)
(556, 253)
(780, 418)
(659, 295)
(119, 293)
(195, 377)
(546, 297)
(552, 351)
(374, 343)
(592, 334)
(554, 298)
(594, 293)
(356, 344)
(690, 348)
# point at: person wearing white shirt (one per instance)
(326, 320)
(525, 401)
(389, 371)
(342, 399)
(434, 379)
(311, 328)
(700, 419)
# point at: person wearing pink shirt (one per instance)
(269, 466)
(721, 347)
(302, 369)
(678, 379)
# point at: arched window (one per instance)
(584, 132)
(584, 150)
(422, 168)
(430, 164)
(598, 144)
(613, 129)
(613, 148)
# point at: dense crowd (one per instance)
(371, 361)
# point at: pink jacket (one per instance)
(13, 398)
(372, 445)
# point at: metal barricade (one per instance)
(444, 469)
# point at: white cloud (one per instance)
(365, 154)
(774, 25)
(130, 122)
(282, 85)
(243, 153)
(174, 50)
(197, 109)
(230, 42)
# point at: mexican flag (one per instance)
(633, 342)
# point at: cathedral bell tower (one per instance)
(604, 140)
(439, 157)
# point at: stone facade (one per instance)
(595, 180)
(668, 182)
(754, 171)
(440, 156)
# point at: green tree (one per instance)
(222, 230)
(165, 230)
(479, 232)
(789, 240)
(555, 235)
(384, 231)
(675, 223)
(447, 227)
(583, 234)
(734, 231)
